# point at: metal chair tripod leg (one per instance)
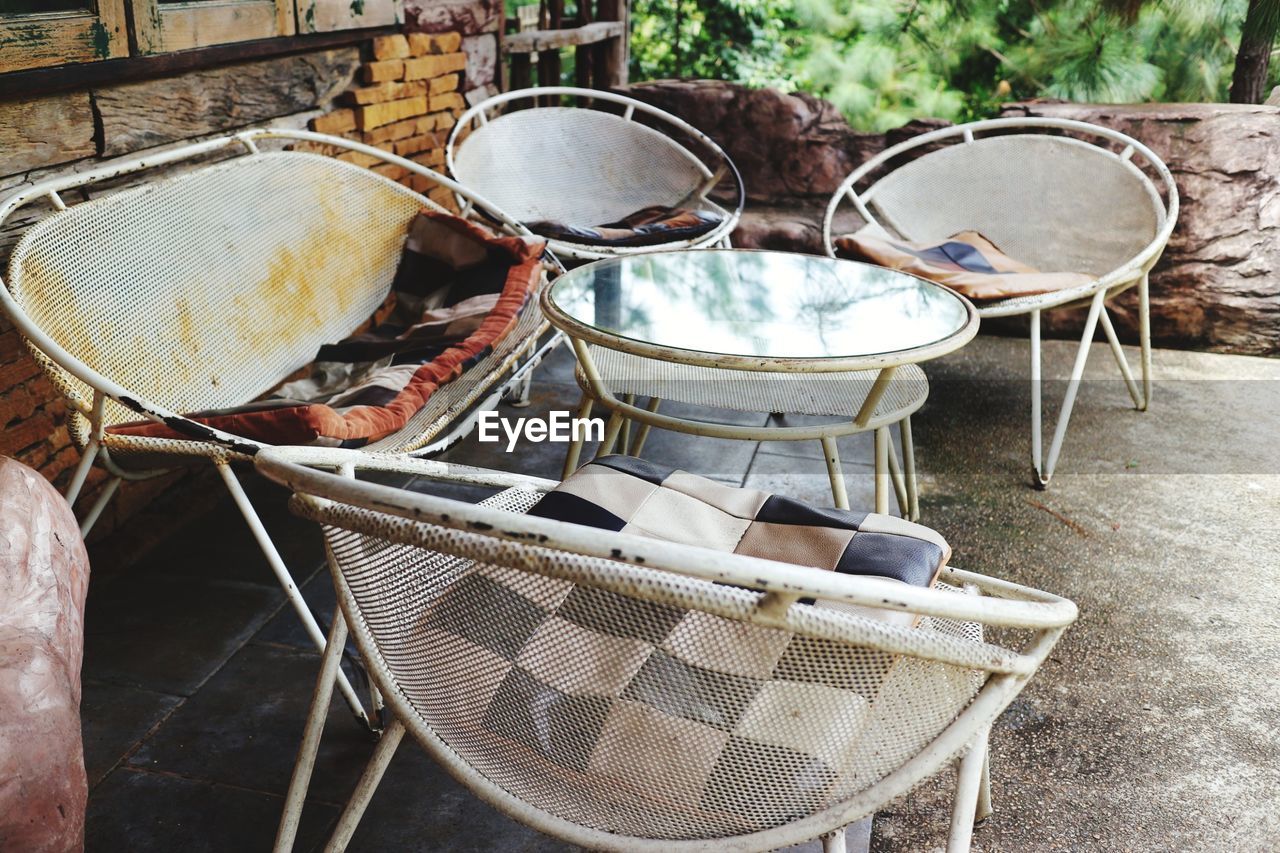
(642, 430)
(579, 438)
(1044, 466)
(365, 788)
(899, 483)
(330, 667)
(611, 430)
(287, 583)
(883, 449)
(965, 805)
(909, 467)
(836, 474)
(104, 497)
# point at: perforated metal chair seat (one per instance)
(590, 164)
(628, 693)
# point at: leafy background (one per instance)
(884, 62)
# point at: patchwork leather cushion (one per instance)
(632, 495)
(966, 262)
(458, 291)
(647, 227)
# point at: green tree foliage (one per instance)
(884, 62)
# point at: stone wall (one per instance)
(400, 93)
(1217, 286)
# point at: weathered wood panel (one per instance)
(537, 41)
(324, 16)
(140, 115)
(36, 41)
(169, 27)
(45, 131)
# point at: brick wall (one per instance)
(406, 99)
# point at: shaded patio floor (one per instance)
(1153, 726)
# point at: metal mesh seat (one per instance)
(589, 164)
(631, 694)
(1060, 195)
(207, 288)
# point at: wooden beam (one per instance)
(537, 41)
(23, 84)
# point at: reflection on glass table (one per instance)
(770, 304)
(759, 331)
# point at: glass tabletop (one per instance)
(758, 303)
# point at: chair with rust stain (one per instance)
(205, 289)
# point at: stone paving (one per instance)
(1152, 727)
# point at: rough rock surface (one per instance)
(786, 146)
(1218, 285)
(44, 574)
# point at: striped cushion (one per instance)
(458, 291)
(966, 262)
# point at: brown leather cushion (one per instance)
(647, 227)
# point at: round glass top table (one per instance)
(760, 331)
(760, 310)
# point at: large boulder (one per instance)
(1217, 285)
(44, 575)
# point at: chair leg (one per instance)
(91, 518)
(579, 438)
(1121, 361)
(287, 583)
(81, 474)
(365, 788)
(519, 395)
(642, 430)
(964, 807)
(1045, 472)
(624, 441)
(611, 430)
(984, 809)
(1037, 397)
(1144, 338)
(300, 782)
(835, 473)
(899, 482)
(833, 842)
(909, 466)
(882, 443)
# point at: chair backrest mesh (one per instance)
(574, 165)
(633, 701)
(1057, 203)
(208, 288)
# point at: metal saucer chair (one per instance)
(539, 662)
(206, 288)
(598, 161)
(1060, 195)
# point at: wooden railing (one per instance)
(598, 39)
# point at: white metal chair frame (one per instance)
(1134, 272)
(87, 418)
(491, 108)
(499, 537)
(893, 381)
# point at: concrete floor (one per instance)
(1154, 726)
